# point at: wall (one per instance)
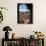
(25, 30)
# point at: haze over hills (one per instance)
(24, 13)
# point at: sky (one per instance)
(23, 8)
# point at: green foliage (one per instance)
(3, 8)
(1, 17)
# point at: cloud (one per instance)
(23, 8)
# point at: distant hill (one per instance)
(24, 13)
